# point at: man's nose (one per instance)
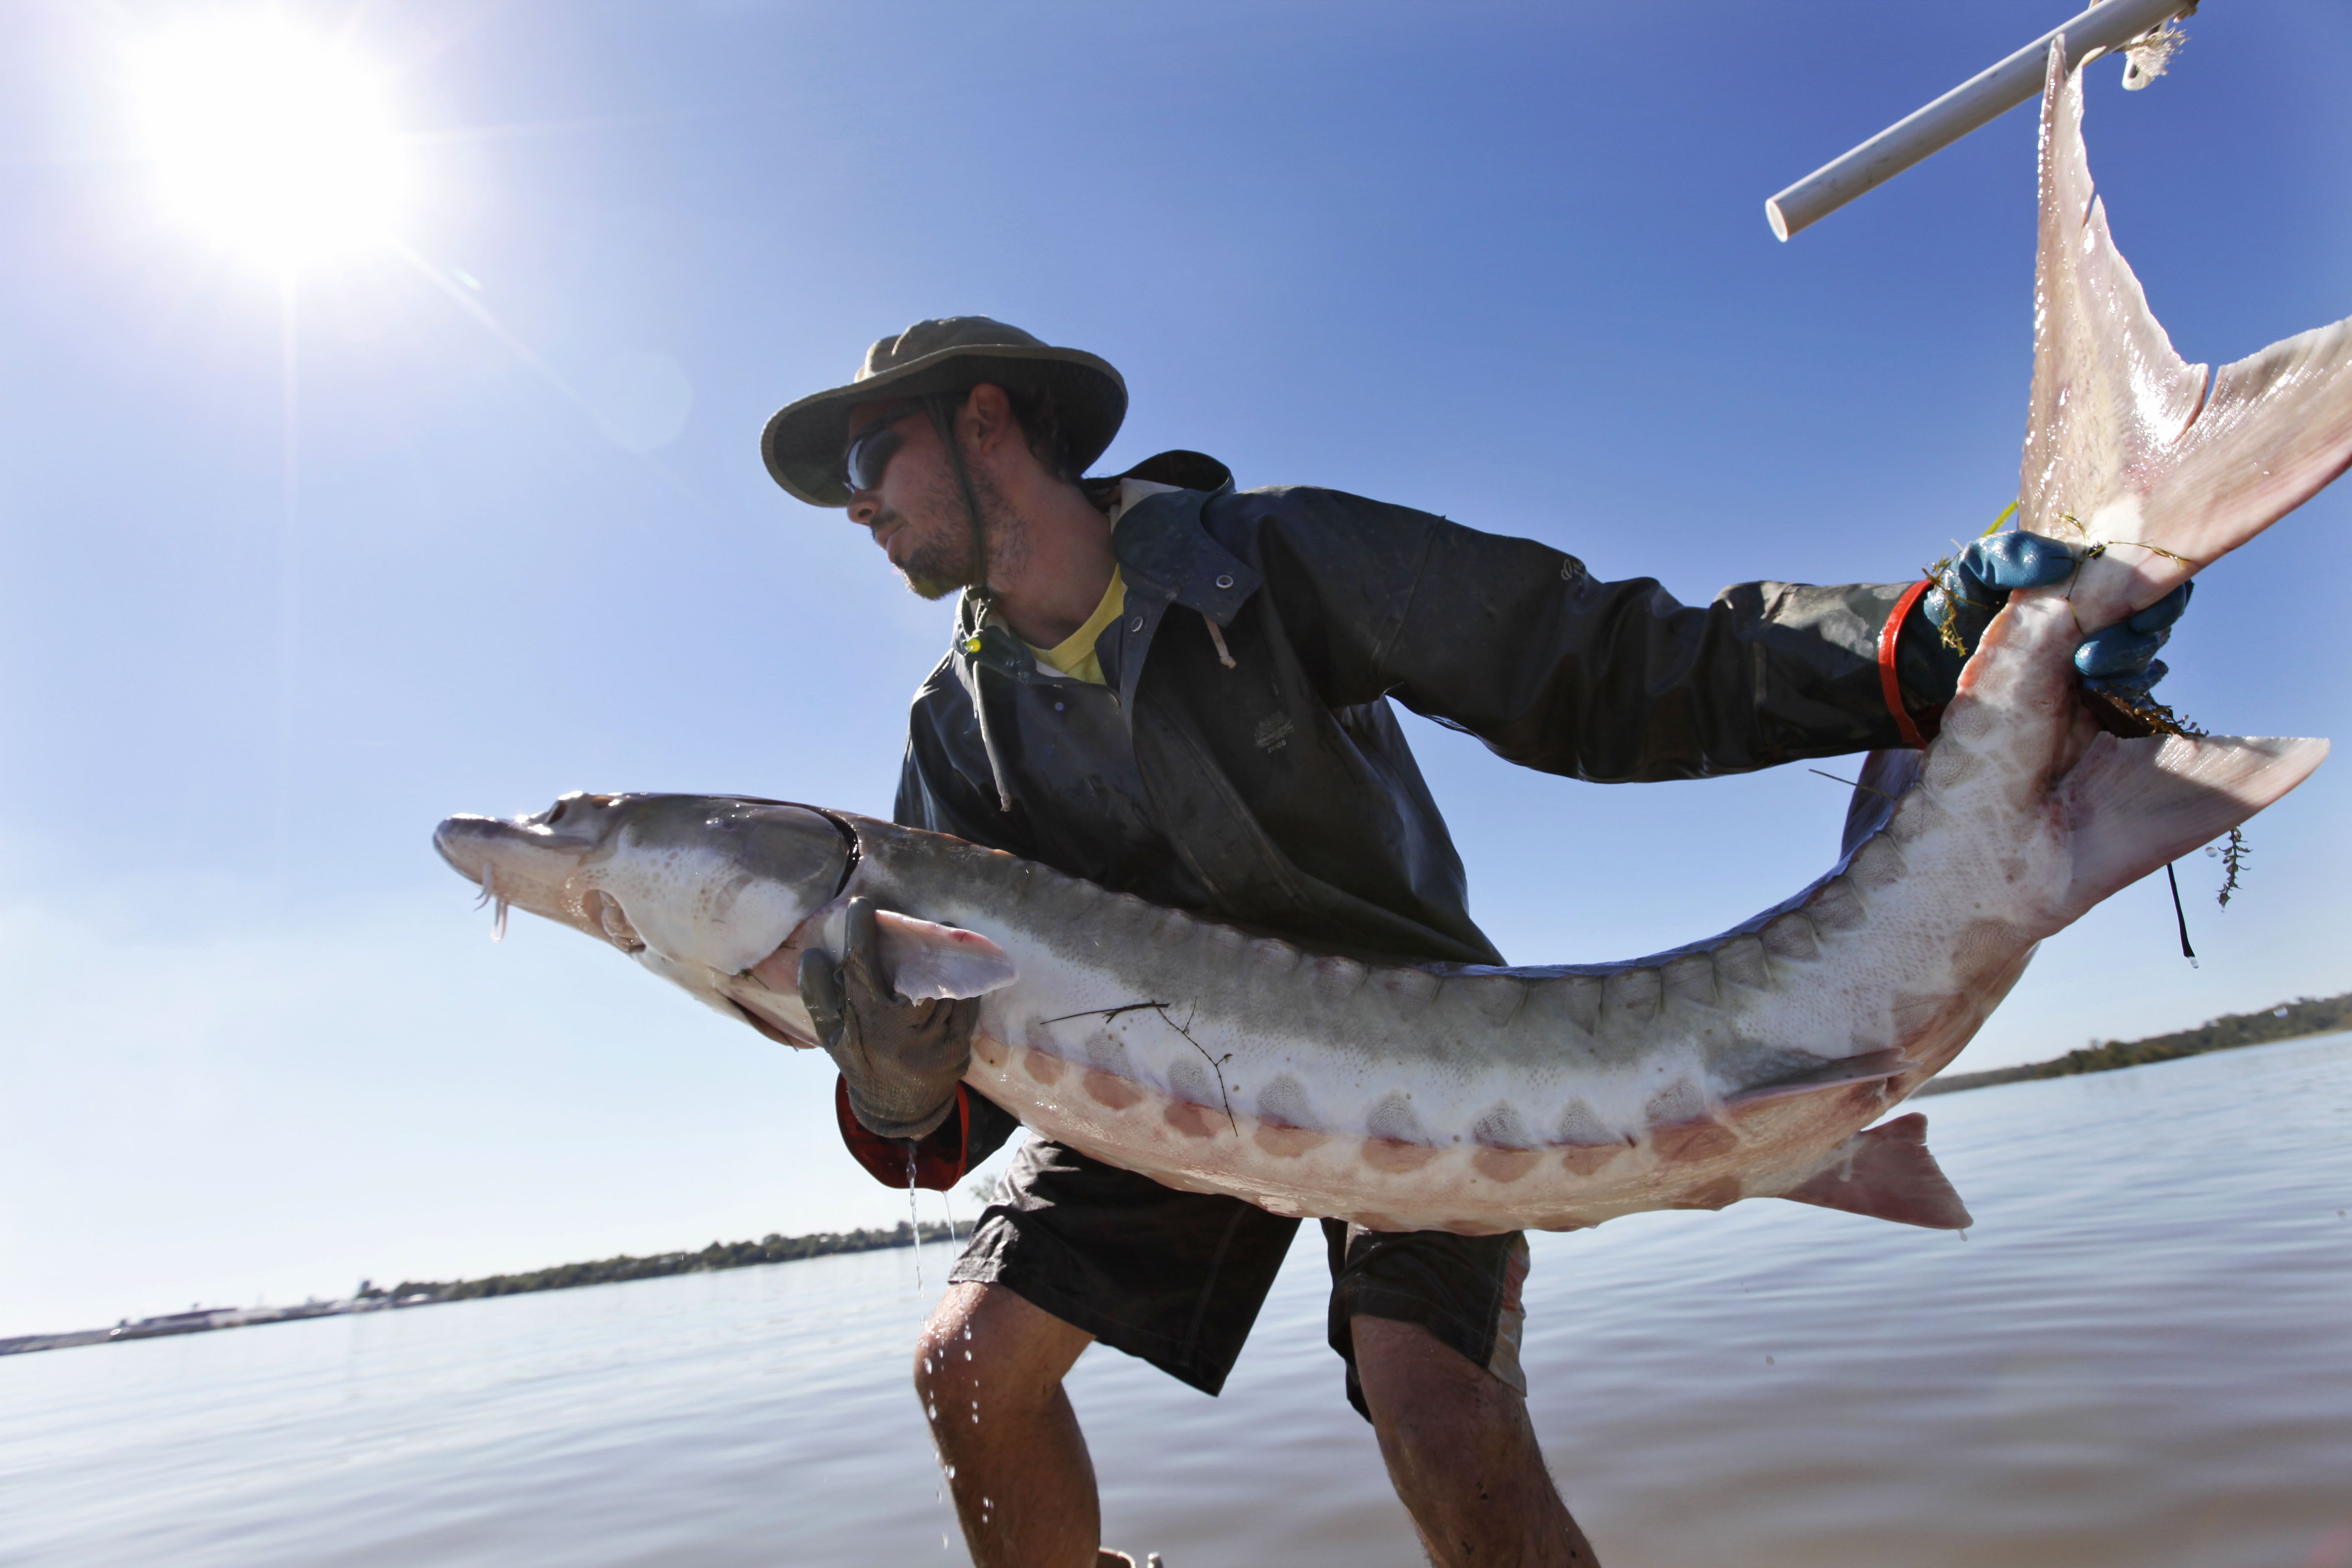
(865, 506)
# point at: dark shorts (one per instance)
(1177, 1278)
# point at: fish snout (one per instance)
(478, 846)
(459, 840)
(528, 861)
(576, 824)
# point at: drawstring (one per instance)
(971, 645)
(1217, 636)
(988, 741)
(982, 598)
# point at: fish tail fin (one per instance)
(2275, 430)
(2129, 447)
(2135, 805)
(1888, 1173)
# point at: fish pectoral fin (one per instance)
(1834, 1075)
(1888, 1173)
(928, 961)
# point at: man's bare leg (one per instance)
(1462, 1454)
(989, 1370)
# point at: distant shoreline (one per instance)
(2292, 1020)
(408, 1293)
(2288, 1021)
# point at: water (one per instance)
(2141, 1356)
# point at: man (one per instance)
(1183, 691)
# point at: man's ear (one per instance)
(986, 417)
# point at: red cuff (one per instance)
(1890, 687)
(940, 1159)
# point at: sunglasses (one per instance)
(871, 449)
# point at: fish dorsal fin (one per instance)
(2122, 438)
(1888, 1173)
(928, 961)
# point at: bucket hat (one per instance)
(803, 444)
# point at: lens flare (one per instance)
(270, 140)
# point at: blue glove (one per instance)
(2121, 660)
(1972, 586)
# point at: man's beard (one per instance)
(941, 562)
(940, 566)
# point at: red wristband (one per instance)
(1889, 687)
(941, 1158)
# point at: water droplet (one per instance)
(914, 1219)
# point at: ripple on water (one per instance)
(2139, 1357)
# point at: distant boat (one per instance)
(195, 1322)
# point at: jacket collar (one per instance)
(1165, 553)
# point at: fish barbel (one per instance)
(1482, 1100)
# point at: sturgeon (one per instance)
(1479, 1099)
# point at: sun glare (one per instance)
(272, 141)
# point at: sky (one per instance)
(294, 561)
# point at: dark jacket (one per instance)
(1278, 793)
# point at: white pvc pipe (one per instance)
(1979, 99)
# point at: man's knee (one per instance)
(944, 1329)
(986, 1332)
(1408, 1371)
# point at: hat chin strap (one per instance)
(981, 593)
(943, 420)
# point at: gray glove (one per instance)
(902, 1060)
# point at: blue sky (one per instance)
(1505, 262)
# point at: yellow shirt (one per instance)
(1074, 655)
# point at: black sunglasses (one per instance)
(871, 449)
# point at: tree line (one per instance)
(768, 1249)
(2287, 1021)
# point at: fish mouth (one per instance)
(470, 844)
(528, 861)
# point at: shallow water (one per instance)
(2142, 1355)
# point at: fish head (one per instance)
(711, 882)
